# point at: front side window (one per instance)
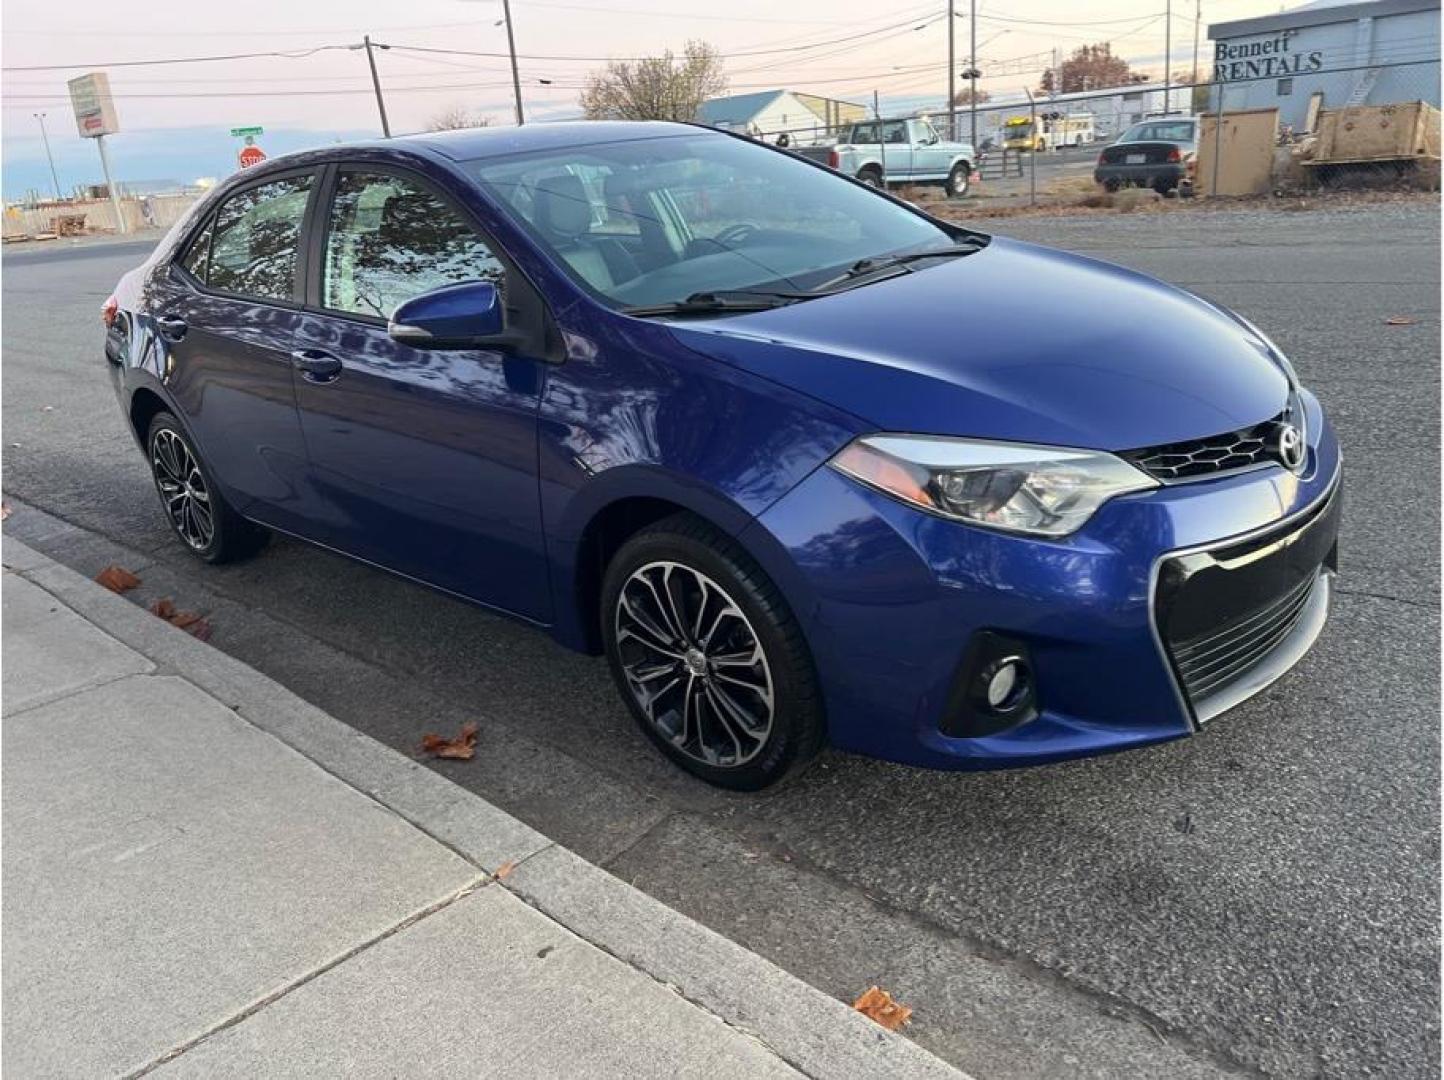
(256, 235)
(652, 221)
(391, 240)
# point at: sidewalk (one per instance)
(203, 875)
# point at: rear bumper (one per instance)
(893, 601)
(1173, 174)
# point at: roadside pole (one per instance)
(376, 84)
(973, 64)
(54, 177)
(110, 186)
(511, 48)
(1217, 139)
(952, 79)
(881, 139)
(1167, 54)
(1032, 153)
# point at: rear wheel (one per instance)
(871, 176)
(195, 508)
(959, 179)
(708, 657)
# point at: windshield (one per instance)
(1018, 131)
(1179, 131)
(654, 221)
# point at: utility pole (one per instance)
(973, 64)
(1167, 52)
(511, 48)
(952, 79)
(48, 156)
(1197, 20)
(376, 82)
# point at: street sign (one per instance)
(94, 107)
(243, 131)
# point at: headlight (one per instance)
(1042, 490)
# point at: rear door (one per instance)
(225, 316)
(422, 460)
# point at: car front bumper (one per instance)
(1126, 649)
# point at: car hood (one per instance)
(1015, 342)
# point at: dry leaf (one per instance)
(1399, 320)
(504, 869)
(5, 510)
(189, 621)
(117, 578)
(461, 748)
(878, 1005)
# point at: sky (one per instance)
(175, 117)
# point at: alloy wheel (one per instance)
(183, 489)
(694, 664)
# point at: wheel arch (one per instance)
(144, 405)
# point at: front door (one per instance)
(421, 460)
(224, 317)
(897, 151)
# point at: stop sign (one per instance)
(251, 155)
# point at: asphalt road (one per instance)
(1259, 899)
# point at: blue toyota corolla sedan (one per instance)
(753, 430)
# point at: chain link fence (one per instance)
(1365, 126)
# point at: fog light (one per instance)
(1003, 681)
(994, 689)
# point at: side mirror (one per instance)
(464, 316)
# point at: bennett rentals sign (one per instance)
(1269, 57)
(93, 105)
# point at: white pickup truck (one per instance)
(898, 152)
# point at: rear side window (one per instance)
(391, 240)
(255, 237)
(197, 258)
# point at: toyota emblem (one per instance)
(1290, 447)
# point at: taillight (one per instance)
(834, 159)
(1103, 158)
(109, 310)
(1174, 155)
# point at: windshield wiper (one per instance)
(720, 301)
(871, 265)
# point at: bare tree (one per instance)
(1091, 67)
(657, 87)
(968, 94)
(455, 117)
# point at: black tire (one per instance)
(959, 179)
(871, 176)
(690, 724)
(171, 455)
(1111, 186)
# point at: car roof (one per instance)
(468, 144)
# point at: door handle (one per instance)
(316, 365)
(171, 327)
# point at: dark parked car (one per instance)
(702, 405)
(1159, 154)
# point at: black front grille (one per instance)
(1203, 457)
(1224, 610)
(1208, 663)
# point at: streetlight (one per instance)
(48, 156)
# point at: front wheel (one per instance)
(709, 658)
(194, 506)
(959, 179)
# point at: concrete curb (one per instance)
(815, 1033)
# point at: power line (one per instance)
(294, 54)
